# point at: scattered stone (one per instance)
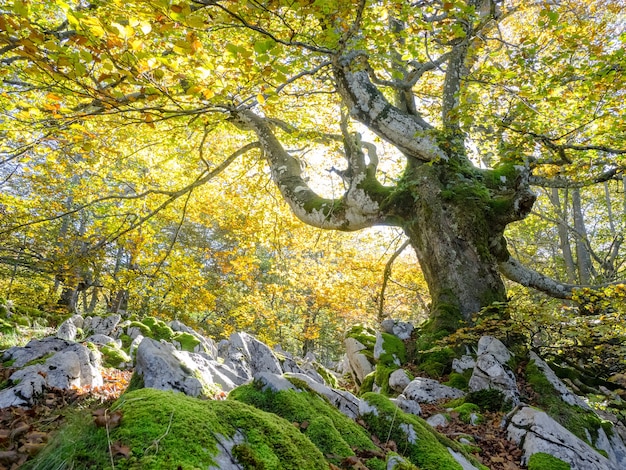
(462, 461)
(67, 330)
(101, 325)
(398, 328)
(466, 362)
(423, 390)
(408, 406)
(273, 382)
(101, 340)
(398, 380)
(73, 366)
(438, 420)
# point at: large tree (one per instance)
(478, 99)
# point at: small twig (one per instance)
(155, 443)
(106, 426)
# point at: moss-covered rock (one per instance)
(543, 461)
(364, 335)
(469, 413)
(389, 350)
(332, 432)
(187, 341)
(581, 422)
(170, 430)
(158, 328)
(420, 443)
(112, 356)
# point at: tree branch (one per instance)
(515, 271)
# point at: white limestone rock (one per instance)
(34, 350)
(273, 382)
(399, 379)
(408, 406)
(489, 344)
(438, 421)
(461, 460)
(566, 395)
(398, 328)
(360, 366)
(490, 373)
(534, 431)
(206, 345)
(67, 330)
(343, 400)
(423, 390)
(101, 325)
(463, 363)
(248, 356)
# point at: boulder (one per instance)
(34, 350)
(534, 431)
(248, 356)
(566, 395)
(491, 372)
(343, 400)
(465, 362)
(408, 406)
(207, 345)
(360, 366)
(423, 390)
(73, 366)
(489, 344)
(101, 325)
(438, 421)
(398, 328)
(100, 340)
(163, 367)
(398, 380)
(67, 330)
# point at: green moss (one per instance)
(416, 440)
(158, 328)
(574, 418)
(113, 356)
(381, 377)
(187, 341)
(171, 430)
(466, 411)
(306, 406)
(323, 433)
(126, 341)
(327, 375)
(368, 383)
(394, 350)
(488, 400)
(136, 383)
(145, 330)
(364, 335)
(543, 461)
(457, 380)
(40, 360)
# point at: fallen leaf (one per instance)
(120, 449)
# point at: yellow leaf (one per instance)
(260, 98)
(146, 27)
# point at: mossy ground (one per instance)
(170, 430)
(416, 440)
(542, 461)
(332, 432)
(574, 418)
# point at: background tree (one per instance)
(444, 114)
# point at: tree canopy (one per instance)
(444, 119)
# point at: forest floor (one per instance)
(24, 432)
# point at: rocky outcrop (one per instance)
(47, 364)
(491, 370)
(534, 431)
(423, 390)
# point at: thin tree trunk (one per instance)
(566, 250)
(583, 257)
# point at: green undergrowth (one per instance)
(574, 418)
(543, 461)
(416, 440)
(332, 432)
(167, 430)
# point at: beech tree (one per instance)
(477, 100)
